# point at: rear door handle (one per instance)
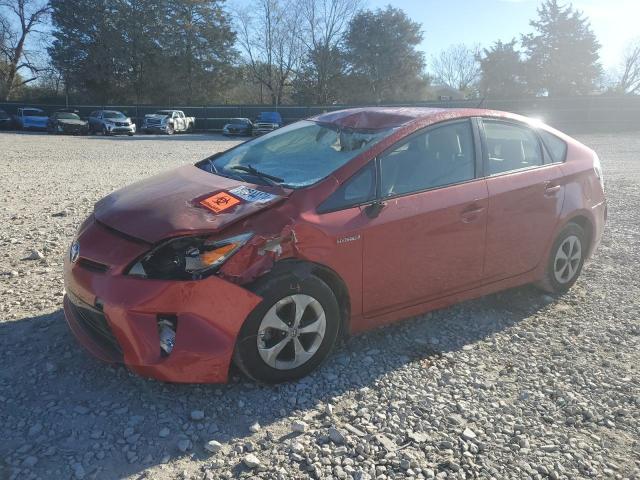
(551, 190)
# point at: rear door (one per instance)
(526, 192)
(428, 237)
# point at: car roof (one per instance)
(393, 117)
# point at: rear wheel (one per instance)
(290, 332)
(565, 260)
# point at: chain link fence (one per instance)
(573, 114)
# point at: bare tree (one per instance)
(629, 80)
(325, 24)
(269, 34)
(457, 67)
(29, 15)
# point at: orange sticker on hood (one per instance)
(220, 202)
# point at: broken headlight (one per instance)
(187, 258)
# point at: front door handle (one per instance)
(471, 213)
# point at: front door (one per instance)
(428, 238)
(525, 199)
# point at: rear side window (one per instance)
(511, 147)
(359, 189)
(556, 146)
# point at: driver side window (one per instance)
(438, 157)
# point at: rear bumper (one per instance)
(209, 314)
(599, 214)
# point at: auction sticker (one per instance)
(219, 202)
(252, 195)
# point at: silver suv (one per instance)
(110, 122)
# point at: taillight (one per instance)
(597, 168)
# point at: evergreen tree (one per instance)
(381, 50)
(161, 51)
(562, 53)
(502, 71)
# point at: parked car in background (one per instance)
(28, 118)
(266, 253)
(266, 122)
(6, 121)
(110, 122)
(168, 121)
(238, 126)
(64, 121)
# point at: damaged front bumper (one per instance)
(103, 301)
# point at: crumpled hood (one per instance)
(168, 204)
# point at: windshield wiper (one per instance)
(272, 179)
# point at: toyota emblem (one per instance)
(74, 251)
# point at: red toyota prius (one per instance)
(266, 253)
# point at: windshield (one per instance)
(33, 113)
(68, 116)
(239, 121)
(300, 154)
(113, 115)
(164, 112)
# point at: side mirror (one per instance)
(373, 210)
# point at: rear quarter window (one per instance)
(556, 147)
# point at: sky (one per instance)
(446, 22)
(472, 22)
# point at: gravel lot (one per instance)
(514, 385)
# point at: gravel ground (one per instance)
(514, 385)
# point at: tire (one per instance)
(560, 274)
(130, 134)
(170, 130)
(105, 132)
(282, 294)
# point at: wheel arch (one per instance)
(584, 222)
(304, 268)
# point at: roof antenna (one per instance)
(481, 102)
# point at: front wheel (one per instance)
(291, 332)
(565, 260)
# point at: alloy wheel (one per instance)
(567, 260)
(291, 332)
